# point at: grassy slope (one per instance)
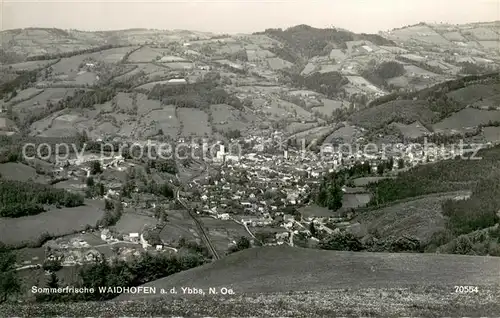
(284, 269)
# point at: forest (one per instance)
(199, 95)
(19, 199)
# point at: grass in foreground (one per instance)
(430, 301)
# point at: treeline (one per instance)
(28, 198)
(197, 95)
(72, 53)
(140, 270)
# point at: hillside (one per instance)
(283, 269)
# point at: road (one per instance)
(201, 229)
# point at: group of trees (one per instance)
(113, 211)
(329, 84)
(310, 42)
(9, 282)
(198, 95)
(380, 74)
(161, 165)
(139, 271)
(19, 198)
(22, 81)
(242, 243)
(330, 192)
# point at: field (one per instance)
(56, 222)
(226, 117)
(133, 223)
(315, 211)
(284, 269)
(362, 83)
(180, 225)
(19, 172)
(281, 108)
(454, 36)
(483, 34)
(275, 63)
(296, 127)
(151, 72)
(492, 134)
(346, 134)
(410, 131)
(420, 218)
(361, 182)
(30, 65)
(329, 106)
(490, 45)
(467, 118)
(25, 94)
(382, 115)
(222, 233)
(311, 134)
(474, 93)
(50, 94)
(146, 55)
(194, 122)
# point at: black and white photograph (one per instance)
(250, 158)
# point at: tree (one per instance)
(243, 243)
(90, 182)
(95, 167)
(53, 281)
(9, 282)
(312, 229)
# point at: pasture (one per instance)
(147, 54)
(285, 269)
(26, 94)
(346, 134)
(411, 131)
(483, 34)
(30, 65)
(18, 172)
(467, 118)
(454, 36)
(329, 106)
(56, 222)
(194, 122)
(315, 211)
(222, 233)
(276, 63)
(420, 218)
(131, 222)
(492, 134)
(226, 117)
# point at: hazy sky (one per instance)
(233, 16)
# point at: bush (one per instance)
(343, 241)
